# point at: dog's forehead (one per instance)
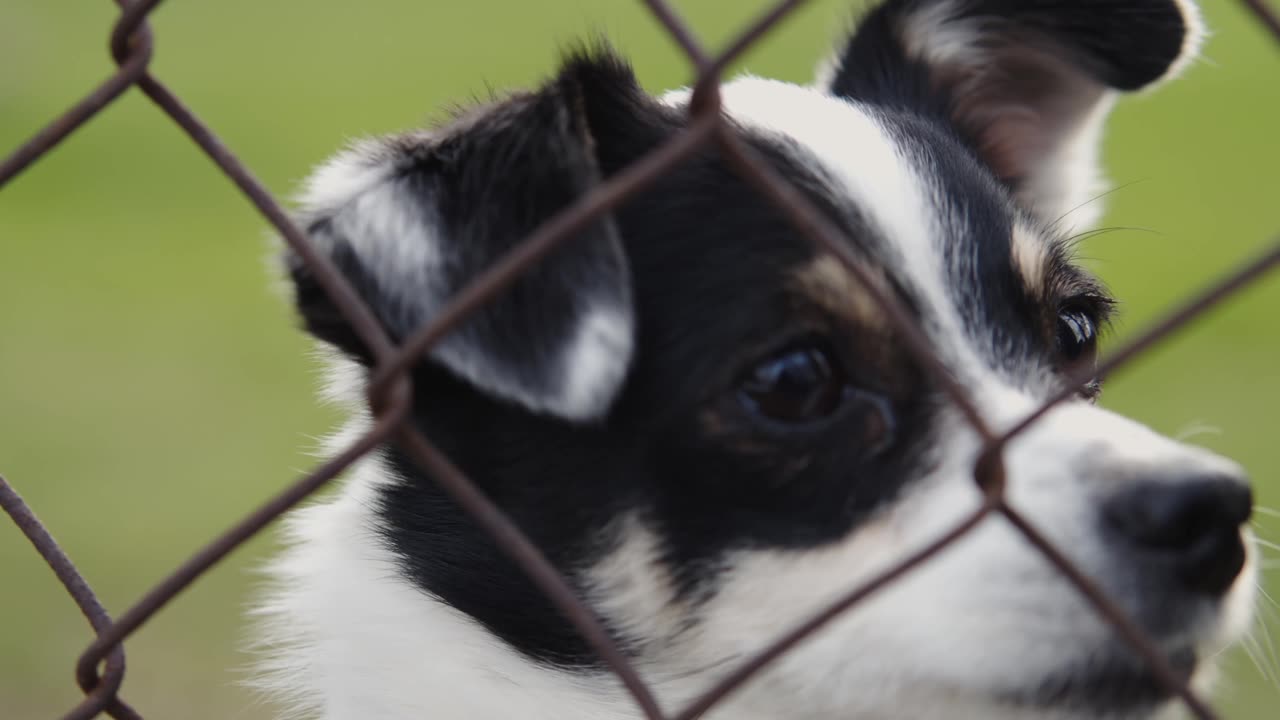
(845, 139)
(938, 221)
(848, 144)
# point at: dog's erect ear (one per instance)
(410, 220)
(1026, 82)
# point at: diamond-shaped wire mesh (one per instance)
(100, 668)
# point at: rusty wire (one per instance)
(390, 389)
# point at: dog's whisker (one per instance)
(1249, 644)
(1262, 661)
(1264, 626)
(1058, 221)
(1196, 429)
(1078, 238)
(1262, 542)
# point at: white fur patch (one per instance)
(398, 242)
(938, 34)
(345, 176)
(595, 363)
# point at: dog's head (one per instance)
(714, 430)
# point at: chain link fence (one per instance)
(100, 669)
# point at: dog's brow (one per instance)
(1030, 259)
(832, 287)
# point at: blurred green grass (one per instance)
(152, 388)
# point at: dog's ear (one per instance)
(410, 220)
(1027, 83)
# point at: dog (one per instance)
(712, 428)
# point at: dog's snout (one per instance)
(1194, 525)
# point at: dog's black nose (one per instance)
(1192, 524)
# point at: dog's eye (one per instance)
(799, 384)
(1077, 335)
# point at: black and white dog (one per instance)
(713, 430)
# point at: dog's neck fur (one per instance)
(396, 653)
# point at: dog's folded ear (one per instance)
(1026, 82)
(410, 220)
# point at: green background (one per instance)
(152, 388)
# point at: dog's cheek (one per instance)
(931, 629)
(762, 594)
(633, 589)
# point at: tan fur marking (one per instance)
(1030, 258)
(831, 286)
